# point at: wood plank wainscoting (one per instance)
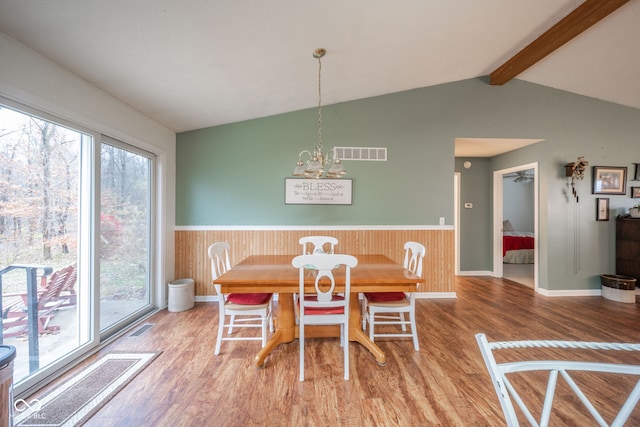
(191, 259)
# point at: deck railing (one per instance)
(32, 309)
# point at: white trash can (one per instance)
(181, 295)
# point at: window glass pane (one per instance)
(39, 208)
(125, 206)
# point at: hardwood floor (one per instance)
(520, 273)
(445, 383)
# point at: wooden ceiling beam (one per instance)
(584, 16)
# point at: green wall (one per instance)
(475, 224)
(233, 175)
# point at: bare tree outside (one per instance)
(39, 199)
(38, 191)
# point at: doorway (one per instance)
(515, 215)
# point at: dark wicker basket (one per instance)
(616, 281)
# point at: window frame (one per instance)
(88, 253)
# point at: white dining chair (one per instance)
(252, 310)
(568, 368)
(389, 308)
(318, 244)
(324, 306)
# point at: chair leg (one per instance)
(414, 331)
(265, 319)
(220, 333)
(233, 318)
(345, 337)
(371, 323)
(404, 326)
(301, 341)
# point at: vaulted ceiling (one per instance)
(190, 64)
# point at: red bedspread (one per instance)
(514, 243)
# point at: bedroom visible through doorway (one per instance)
(516, 237)
(518, 226)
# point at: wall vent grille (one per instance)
(375, 154)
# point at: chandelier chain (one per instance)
(320, 164)
(320, 103)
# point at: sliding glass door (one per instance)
(40, 206)
(125, 233)
(76, 212)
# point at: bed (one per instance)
(517, 246)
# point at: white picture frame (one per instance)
(303, 191)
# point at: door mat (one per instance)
(80, 397)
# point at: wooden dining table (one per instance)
(275, 274)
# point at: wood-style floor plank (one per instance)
(445, 383)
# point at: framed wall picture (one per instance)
(636, 176)
(299, 191)
(635, 192)
(609, 180)
(602, 209)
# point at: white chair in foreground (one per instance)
(324, 307)
(318, 244)
(389, 308)
(254, 310)
(507, 394)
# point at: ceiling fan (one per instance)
(523, 177)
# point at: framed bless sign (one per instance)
(318, 191)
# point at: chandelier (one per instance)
(319, 164)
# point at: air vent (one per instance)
(144, 328)
(374, 154)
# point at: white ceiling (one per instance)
(190, 64)
(489, 147)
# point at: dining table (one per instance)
(276, 274)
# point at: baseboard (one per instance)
(570, 293)
(206, 298)
(419, 295)
(475, 273)
(542, 291)
(435, 295)
(214, 298)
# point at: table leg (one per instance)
(285, 323)
(357, 334)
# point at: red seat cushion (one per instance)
(384, 296)
(323, 310)
(248, 299)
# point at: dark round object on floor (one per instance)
(617, 281)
